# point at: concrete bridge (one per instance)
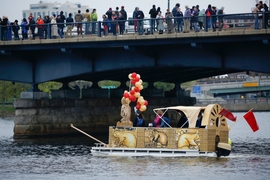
(173, 58)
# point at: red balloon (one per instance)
(138, 106)
(136, 79)
(134, 75)
(126, 95)
(133, 82)
(136, 89)
(146, 103)
(132, 98)
(132, 92)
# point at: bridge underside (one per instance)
(226, 91)
(176, 61)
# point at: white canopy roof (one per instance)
(191, 112)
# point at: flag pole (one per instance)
(238, 120)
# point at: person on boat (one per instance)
(139, 120)
(157, 120)
(165, 121)
(199, 120)
(183, 121)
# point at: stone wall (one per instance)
(46, 117)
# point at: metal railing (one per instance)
(234, 21)
(258, 100)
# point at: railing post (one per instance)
(99, 28)
(0, 32)
(205, 23)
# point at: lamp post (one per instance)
(168, 4)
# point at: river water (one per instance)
(69, 158)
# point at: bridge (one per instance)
(172, 58)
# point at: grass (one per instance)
(7, 110)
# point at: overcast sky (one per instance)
(13, 8)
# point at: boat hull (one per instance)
(154, 152)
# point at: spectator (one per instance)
(24, 29)
(121, 23)
(135, 19)
(194, 17)
(179, 20)
(32, 22)
(60, 24)
(94, 18)
(201, 18)
(220, 18)
(160, 25)
(53, 27)
(87, 20)
(109, 14)
(165, 120)
(208, 13)
(63, 18)
(169, 21)
(153, 16)
(187, 16)
(78, 20)
(124, 14)
(40, 27)
(46, 26)
(106, 25)
(157, 120)
(266, 15)
(183, 121)
(114, 23)
(16, 28)
(4, 32)
(70, 25)
(214, 18)
(140, 17)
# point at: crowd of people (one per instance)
(113, 21)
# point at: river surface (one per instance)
(69, 158)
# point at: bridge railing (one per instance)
(231, 21)
(258, 100)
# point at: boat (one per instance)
(209, 140)
(205, 131)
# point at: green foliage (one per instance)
(49, 86)
(109, 83)
(188, 85)
(165, 86)
(80, 83)
(9, 90)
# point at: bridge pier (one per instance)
(94, 113)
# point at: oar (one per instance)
(71, 125)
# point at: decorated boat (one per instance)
(210, 139)
(200, 131)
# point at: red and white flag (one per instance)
(251, 120)
(227, 114)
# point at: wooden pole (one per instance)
(71, 125)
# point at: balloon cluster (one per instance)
(134, 93)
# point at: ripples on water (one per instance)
(69, 158)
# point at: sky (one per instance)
(13, 8)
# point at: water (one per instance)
(69, 158)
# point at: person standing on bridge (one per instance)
(187, 16)
(78, 20)
(153, 15)
(60, 24)
(40, 27)
(87, 20)
(94, 18)
(194, 18)
(70, 25)
(53, 28)
(140, 17)
(220, 18)
(135, 19)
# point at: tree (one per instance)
(11, 90)
(49, 86)
(188, 85)
(163, 85)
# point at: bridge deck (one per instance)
(133, 36)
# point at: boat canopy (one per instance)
(191, 112)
